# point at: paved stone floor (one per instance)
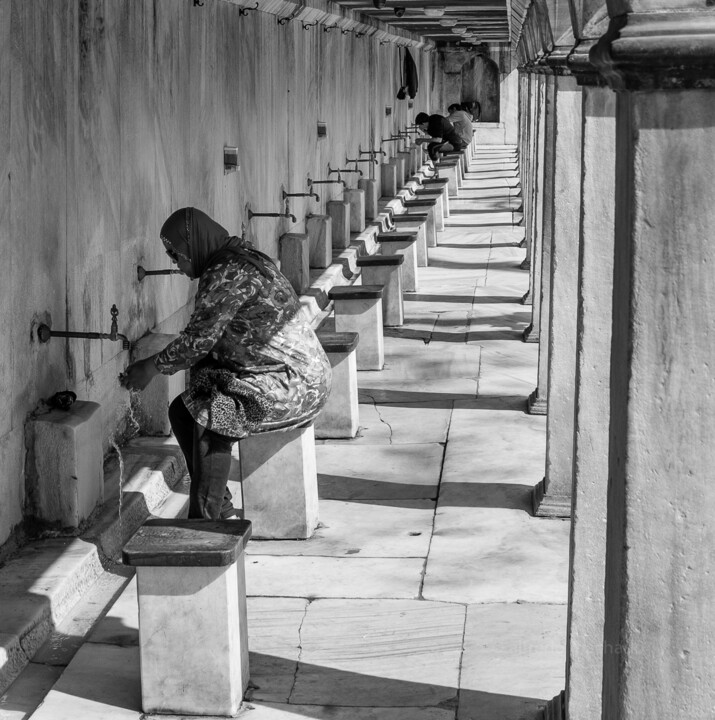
(429, 591)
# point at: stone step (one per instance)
(43, 583)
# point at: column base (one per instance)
(556, 708)
(525, 264)
(526, 298)
(536, 405)
(530, 334)
(522, 244)
(549, 506)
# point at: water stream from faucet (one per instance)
(133, 429)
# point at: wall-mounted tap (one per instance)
(379, 151)
(287, 195)
(359, 160)
(252, 214)
(142, 273)
(391, 139)
(45, 333)
(339, 181)
(339, 171)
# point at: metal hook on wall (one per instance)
(343, 31)
(328, 28)
(360, 34)
(283, 20)
(306, 26)
(244, 10)
(198, 3)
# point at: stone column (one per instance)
(659, 635)
(538, 400)
(584, 651)
(532, 262)
(552, 496)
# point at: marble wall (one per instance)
(115, 113)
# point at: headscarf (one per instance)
(198, 239)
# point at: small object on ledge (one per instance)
(62, 400)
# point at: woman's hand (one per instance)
(139, 374)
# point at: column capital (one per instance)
(557, 60)
(585, 72)
(658, 50)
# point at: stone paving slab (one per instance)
(380, 653)
(102, 681)
(28, 691)
(274, 643)
(389, 473)
(514, 660)
(326, 577)
(484, 553)
(399, 424)
(273, 711)
(350, 529)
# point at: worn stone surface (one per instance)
(320, 234)
(340, 415)
(368, 653)
(101, 681)
(267, 711)
(384, 473)
(295, 251)
(513, 660)
(363, 316)
(339, 213)
(327, 577)
(357, 529)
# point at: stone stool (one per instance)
(320, 234)
(416, 222)
(356, 199)
(340, 415)
(370, 187)
(430, 184)
(295, 260)
(427, 207)
(279, 482)
(449, 169)
(388, 179)
(438, 199)
(385, 270)
(339, 212)
(193, 638)
(358, 308)
(405, 244)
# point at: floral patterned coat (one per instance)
(256, 364)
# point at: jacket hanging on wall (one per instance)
(408, 77)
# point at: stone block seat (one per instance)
(279, 482)
(426, 206)
(340, 416)
(449, 168)
(193, 635)
(417, 222)
(405, 244)
(358, 308)
(385, 270)
(436, 184)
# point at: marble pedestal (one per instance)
(339, 212)
(295, 260)
(388, 179)
(356, 198)
(358, 308)
(193, 637)
(385, 270)
(402, 244)
(406, 158)
(433, 196)
(280, 483)
(66, 454)
(340, 416)
(154, 400)
(430, 184)
(370, 188)
(399, 163)
(449, 170)
(417, 223)
(427, 208)
(320, 236)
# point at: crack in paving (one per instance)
(300, 649)
(380, 418)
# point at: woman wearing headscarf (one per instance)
(256, 364)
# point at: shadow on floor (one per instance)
(471, 336)
(477, 246)
(490, 265)
(319, 692)
(386, 396)
(504, 496)
(473, 299)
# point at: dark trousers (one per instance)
(208, 458)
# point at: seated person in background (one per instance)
(437, 126)
(462, 122)
(256, 364)
(474, 109)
